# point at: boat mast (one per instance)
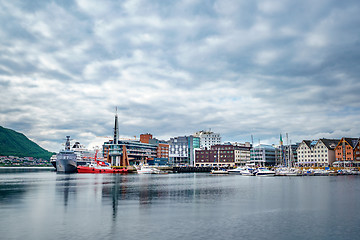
(281, 151)
(288, 152)
(252, 145)
(344, 152)
(218, 153)
(259, 155)
(290, 155)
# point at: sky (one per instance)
(172, 68)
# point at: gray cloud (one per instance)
(240, 68)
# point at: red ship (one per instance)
(100, 167)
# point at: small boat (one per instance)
(100, 167)
(219, 171)
(286, 171)
(320, 172)
(247, 172)
(146, 169)
(236, 170)
(264, 172)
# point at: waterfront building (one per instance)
(242, 153)
(216, 156)
(208, 138)
(136, 151)
(347, 152)
(127, 152)
(181, 150)
(304, 152)
(162, 146)
(317, 153)
(194, 144)
(263, 155)
(223, 155)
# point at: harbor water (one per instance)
(42, 204)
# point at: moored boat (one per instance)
(262, 171)
(146, 169)
(100, 167)
(66, 159)
(219, 171)
(286, 171)
(236, 170)
(247, 172)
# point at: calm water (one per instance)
(46, 205)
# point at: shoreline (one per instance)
(35, 167)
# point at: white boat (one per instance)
(286, 171)
(320, 172)
(220, 171)
(247, 172)
(264, 172)
(146, 169)
(236, 170)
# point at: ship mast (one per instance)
(67, 144)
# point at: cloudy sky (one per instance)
(237, 67)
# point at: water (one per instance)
(41, 204)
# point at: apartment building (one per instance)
(317, 153)
(347, 152)
(208, 139)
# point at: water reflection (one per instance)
(66, 187)
(147, 190)
(11, 192)
(15, 183)
(63, 187)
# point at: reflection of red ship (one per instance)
(100, 167)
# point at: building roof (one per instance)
(307, 142)
(264, 146)
(353, 142)
(330, 143)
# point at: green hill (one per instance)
(13, 143)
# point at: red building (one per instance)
(145, 138)
(162, 146)
(218, 155)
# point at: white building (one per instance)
(320, 153)
(208, 138)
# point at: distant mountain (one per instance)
(13, 143)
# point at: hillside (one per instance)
(13, 143)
